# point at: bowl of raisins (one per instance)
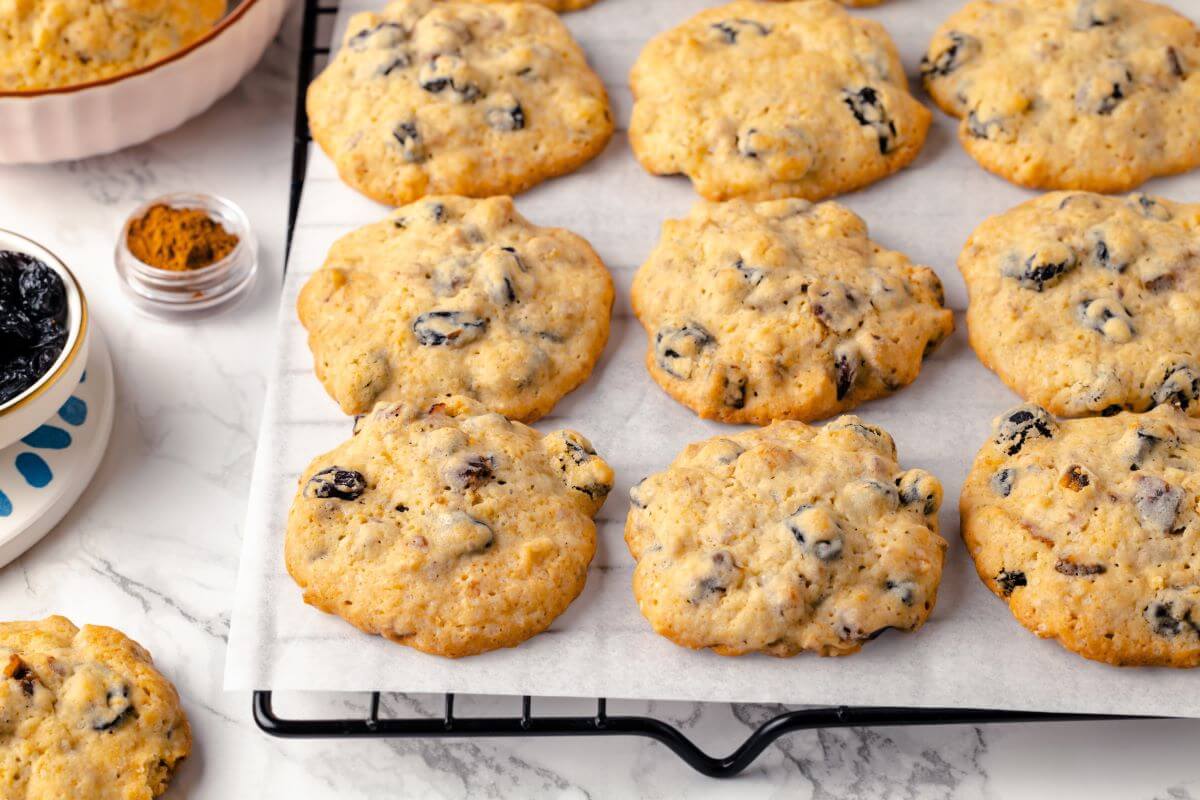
(43, 335)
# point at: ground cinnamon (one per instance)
(179, 239)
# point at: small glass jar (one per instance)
(211, 288)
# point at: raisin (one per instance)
(409, 139)
(980, 128)
(1009, 581)
(1108, 317)
(728, 31)
(41, 290)
(444, 73)
(1165, 619)
(117, 708)
(1071, 569)
(1002, 482)
(359, 40)
(816, 531)
(846, 364)
(1044, 268)
(752, 275)
(1179, 386)
(1087, 15)
(733, 395)
(448, 328)
(721, 573)
(920, 490)
(1173, 62)
(868, 111)
(506, 118)
(1016, 427)
(960, 50)
(906, 591)
(336, 483)
(1150, 208)
(470, 472)
(678, 349)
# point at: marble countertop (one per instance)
(152, 548)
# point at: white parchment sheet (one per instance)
(971, 653)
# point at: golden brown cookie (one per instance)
(449, 529)
(782, 309)
(465, 98)
(1098, 95)
(1089, 529)
(457, 296)
(84, 714)
(45, 44)
(786, 539)
(768, 100)
(1087, 304)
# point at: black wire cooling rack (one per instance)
(316, 31)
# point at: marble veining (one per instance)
(152, 547)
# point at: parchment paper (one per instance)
(971, 653)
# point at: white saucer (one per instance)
(43, 475)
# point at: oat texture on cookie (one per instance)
(1099, 95)
(447, 528)
(1090, 530)
(84, 714)
(456, 295)
(53, 43)
(770, 100)
(786, 539)
(1087, 304)
(555, 5)
(782, 309)
(465, 98)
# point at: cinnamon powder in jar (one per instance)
(179, 239)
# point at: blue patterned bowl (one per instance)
(27, 411)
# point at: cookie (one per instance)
(54, 43)
(475, 99)
(782, 309)
(786, 539)
(449, 529)
(554, 5)
(84, 714)
(1086, 304)
(770, 100)
(1089, 530)
(454, 295)
(1098, 95)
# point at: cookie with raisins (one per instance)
(476, 99)
(1087, 304)
(84, 713)
(782, 310)
(1099, 95)
(770, 100)
(457, 296)
(447, 528)
(786, 539)
(1089, 530)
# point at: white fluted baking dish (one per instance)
(102, 116)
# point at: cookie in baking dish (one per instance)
(786, 539)
(1088, 304)
(769, 100)
(1089, 529)
(1098, 95)
(53, 43)
(782, 309)
(84, 714)
(462, 98)
(456, 295)
(449, 529)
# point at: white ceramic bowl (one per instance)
(25, 412)
(100, 117)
